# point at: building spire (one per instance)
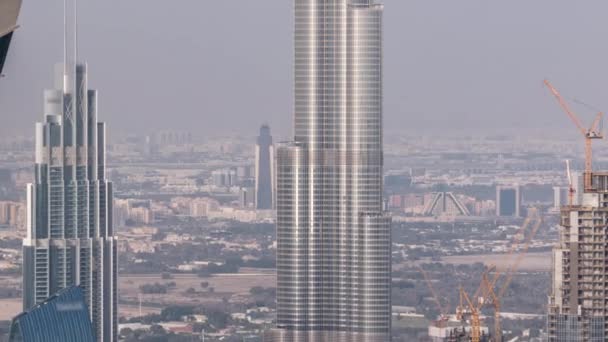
(70, 41)
(65, 45)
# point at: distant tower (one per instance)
(560, 196)
(508, 201)
(264, 170)
(445, 203)
(70, 237)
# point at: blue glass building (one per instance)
(63, 317)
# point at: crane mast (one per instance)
(589, 134)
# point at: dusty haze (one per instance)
(224, 67)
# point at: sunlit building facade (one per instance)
(333, 252)
(70, 237)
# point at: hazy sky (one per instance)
(224, 67)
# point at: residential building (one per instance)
(578, 303)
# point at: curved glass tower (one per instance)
(63, 317)
(70, 238)
(333, 256)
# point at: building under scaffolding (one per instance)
(578, 304)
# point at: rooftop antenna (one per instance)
(75, 31)
(65, 46)
(70, 41)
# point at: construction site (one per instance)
(578, 304)
(467, 322)
(578, 297)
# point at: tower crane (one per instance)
(471, 306)
(494, 298)
(592, 133)
(468, 307)
(443, 311)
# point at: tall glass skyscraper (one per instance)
(333, 256)
(62, 317)
(264, 166)
(70, 239)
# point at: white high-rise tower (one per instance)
(334, 244)
(70, 238)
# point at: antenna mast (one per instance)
(70, 42)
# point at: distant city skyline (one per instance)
(443, 72)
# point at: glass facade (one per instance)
(70, 238)
(63, 317)
(577, 329)
(333, 254)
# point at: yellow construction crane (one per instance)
(467, 307)
(443, 310)
(494, 298)
(589, 134)
(471, 308)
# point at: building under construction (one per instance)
(455, 331)
(578, 305)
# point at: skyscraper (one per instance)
(264, 170)
(508, 201)
(334, 245)
(560, 196)
(9, 10)
(63, 317)
(70, 238)
(578, 304)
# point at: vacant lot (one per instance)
(234, 287)
(530, 262)
(9, 308)
(225, 286)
